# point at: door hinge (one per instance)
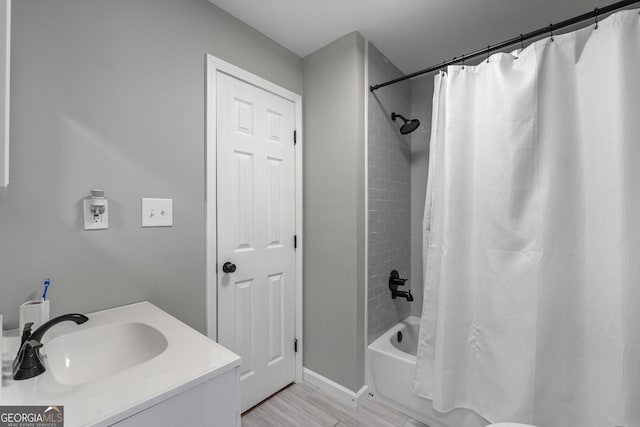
(295, 345)
(295, 241)
(295, 137)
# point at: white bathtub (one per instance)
(392, 367)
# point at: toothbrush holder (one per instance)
(36, 311)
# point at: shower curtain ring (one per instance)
(463, 59)
(517, 55)
(488, 51)
(551, 32)
(597, 12)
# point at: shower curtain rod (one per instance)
(520, 39)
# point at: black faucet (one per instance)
(394, 282)
(28, 363)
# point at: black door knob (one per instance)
(229, 267)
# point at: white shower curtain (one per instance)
(532, 234)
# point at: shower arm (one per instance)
(394, 116)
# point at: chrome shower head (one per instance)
(408, 126)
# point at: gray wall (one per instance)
(334, 211)
(111, 94)
(421, 95)
(389, 163)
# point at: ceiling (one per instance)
(413, 34)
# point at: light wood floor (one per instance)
(303, 405)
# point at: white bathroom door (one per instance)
(256, 227)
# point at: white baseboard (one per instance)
(333, 388)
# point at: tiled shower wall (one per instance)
(389, 168)
(421, 95)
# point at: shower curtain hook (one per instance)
(488, 51)
(597, 11)
(551, 32)
(517, 55)
(463, 59)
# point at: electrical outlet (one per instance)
(157, 212)
(93, 221)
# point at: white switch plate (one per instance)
(91, 222)
(157, 212)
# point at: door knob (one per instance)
(229, 267)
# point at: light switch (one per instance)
(157, 212)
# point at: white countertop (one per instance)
(189, 359)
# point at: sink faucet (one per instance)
(28, 363)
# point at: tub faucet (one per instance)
(402, 294)
(28, 363)
(394, 282)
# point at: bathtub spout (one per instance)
(402, 294)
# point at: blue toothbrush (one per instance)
(46, 288)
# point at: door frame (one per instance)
(214, 66)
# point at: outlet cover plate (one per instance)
(157, 212)
(91, 222)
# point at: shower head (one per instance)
(408, 126)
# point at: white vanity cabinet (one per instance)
(212, 403)
(5, 49)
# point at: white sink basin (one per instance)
(121, 362)
(94, 353)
